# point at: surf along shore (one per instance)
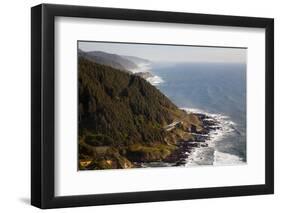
(212, 128)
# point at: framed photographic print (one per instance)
(140, 106)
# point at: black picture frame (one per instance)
(43, 102)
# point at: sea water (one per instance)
(217, 89)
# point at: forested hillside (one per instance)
(121, 118)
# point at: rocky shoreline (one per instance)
(185, 147)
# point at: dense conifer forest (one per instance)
(122, 118)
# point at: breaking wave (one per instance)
(155, 80)
(210, 155)
(146, 67)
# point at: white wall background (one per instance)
(15, 105)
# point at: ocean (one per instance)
(217, 89)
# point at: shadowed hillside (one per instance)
(112, 60)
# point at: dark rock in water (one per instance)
(205, 131)
(195, 144)
(214, 128)
(200, 137)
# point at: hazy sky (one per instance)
(170, 53)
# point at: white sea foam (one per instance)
(155, 80)
(223, 159)
(146, 67)
(200, 156)
(209, 155)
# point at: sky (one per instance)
(169, 53)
